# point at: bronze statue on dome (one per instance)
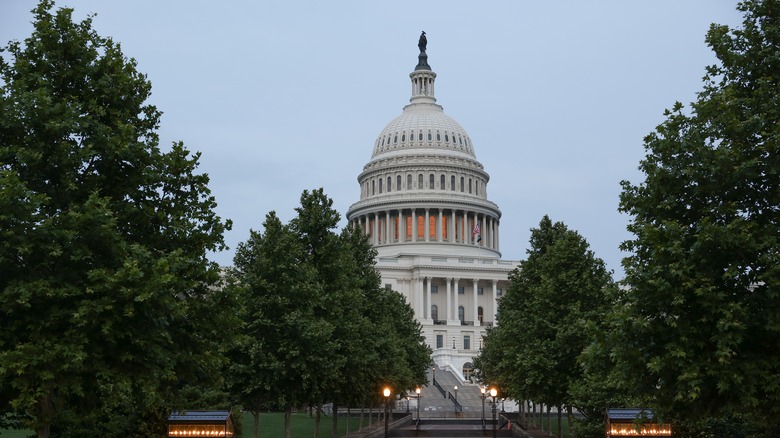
(423, 43)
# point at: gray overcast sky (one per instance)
(282, 96)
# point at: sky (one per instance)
(281, 96)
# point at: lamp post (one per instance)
(419, 396)
(433, 368)
(456, 392)
(386, 393)
(494, 393)
(482, 390)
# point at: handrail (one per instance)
(443, 392)
(458, 406)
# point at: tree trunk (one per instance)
(560, 421)
(549, 421)
(334, 430)
(362, 411)
(570, 422)
(541, 415)
(287, 420)
(317, 422)
(47, 413)
(256, 422)
(349, 411)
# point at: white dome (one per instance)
(423, 126)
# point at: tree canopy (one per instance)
(103, 236)
(699, 321)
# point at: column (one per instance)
(401, 226)
(449, 299)
(414, 225)
(420, 301)
(426, 226)
(428, 302)
(455, 307)
(440, 226)
(375, 230)
(484, 230)
(475, 303)
(452, 238)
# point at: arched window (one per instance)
(389, 184)
(469, 185)
(373, 187)
(409, 181)
(419, 181)
(442, 182)
(461, 184)
(461, 313)
(420, 136)
(398, 182)
(476, 187)
(452, 182)
(429, 136)
(435, 312)
(430, 182)
(380, 184)
(438, 136)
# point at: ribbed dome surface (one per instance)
(423, 126)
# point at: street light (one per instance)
(386, 393)
(419, 396)
(494, 393)
(433, 368)
(456, 392)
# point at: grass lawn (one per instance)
(271, 426)
(301, 425)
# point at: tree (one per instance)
(700, 318)
(103, 273)
(558, 298)
(317, 325)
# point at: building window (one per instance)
(461, 313)
(420, 136)
(430, 182)
(461, 184)
(389, 184)
(480, 314)
(452, 182)
(434, 312)
(381, 180)
(438, 136)
(469, 185)
(480, 291)
(429, 136)
(388, 286)
(419, 181)
(409, 182)
(373, 187)
(398, 182)
(499, 292)
(439, 341)
(466, 342)
(461, 290)
(442, 181)
(403, 138)
(434, 289)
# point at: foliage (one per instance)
(317, 326)
(557, 301)
(104, 282)
(699, 323)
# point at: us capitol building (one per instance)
(424, 203)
